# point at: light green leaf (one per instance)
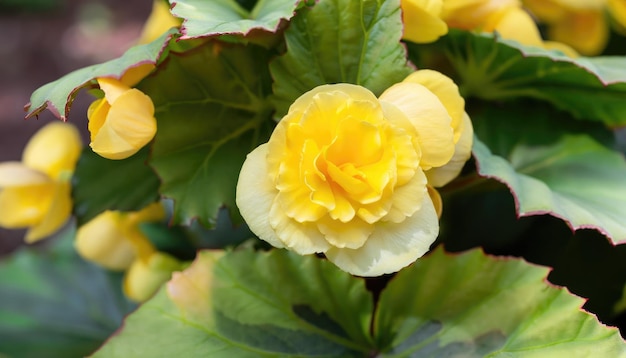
(101, 184)
(472, 305)
(251, 304)
(210, 18)
(211, 112)
(54, 304)
(551, 169)
(58, 95)
(352, 41)
(495, 69)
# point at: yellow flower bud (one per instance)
(122, 122)
(159, 21)
(145, 276)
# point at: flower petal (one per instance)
(422, 20)
(255, 195)
(55, 216)
(303, 238)
(441, 176)
(54, 149)
(23, 206)
(144, 278)
(17, 174)
(130, 125)
(446, 90)
(391, 246)
(586, 31)
(350, 235)
(429, 117)
(101, 240)
(407, 198)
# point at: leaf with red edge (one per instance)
(57, 96)
(212, 18)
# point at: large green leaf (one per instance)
(552, 169)
(261, 304)
(58, 95)
(353, 41)
(471, 305)
(211, 112)
(251, 304)
(210, 18)
(493, 68)
(100, 184)
(54, 304)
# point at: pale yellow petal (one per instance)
(350, 235)
(303, 238)
(407, 198)
(422, 20)
(23, 206)
(546, 10)
(441, 176)
(436, 199)
(354, 92)
(17, 174)
(54, 149)
(256, 194)
(97, 114)
(144, 278)
(150, 213)
(135, 74)
(617, 8)
(446, 90)
(102, 240)
(391, 246)
(429, 117)
(130, 125)
(55, 216)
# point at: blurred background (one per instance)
(43, 40)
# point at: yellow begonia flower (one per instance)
(343, 174)
(114, 240)
(35, 193)
(123, 121)
(581, 24)
(159, 21)
(422, 20)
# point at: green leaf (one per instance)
(54, 304)
(210, 18)
(251, 304)
(492, 68)
(211, 112)
(58, 95)
(552, 169)
(101, 184)
(352, 41)
(473, 305)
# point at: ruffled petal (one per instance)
(54, 149)
(407, 198)
(303, 238)
(256, 194)
(429, 117)
(350, 235)
(441, 176)
(391, 246)
(130, 125)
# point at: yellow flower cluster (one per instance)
(581, 24)
(114, 240)
(35, 193)
(346, 174)
(427, 20)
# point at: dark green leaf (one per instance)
(211, 112)
(352, 41)
(101, 184)
(494, 69)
